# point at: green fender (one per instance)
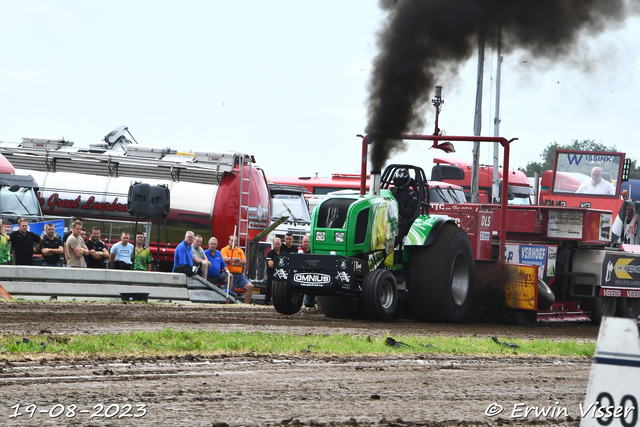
(425, 229)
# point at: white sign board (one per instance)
(565, 225)
(613, 392)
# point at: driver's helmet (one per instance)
(401, 179)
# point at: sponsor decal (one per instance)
(551, 261)
(313, 262)
(357, 266)
(280, 274)
(564, 224)
(534, 255)
(485, 235)
(621, 270)
(619, 293)
(551, 202)
(56, 202)
(485, 221)
(575, 159)
(258, 217)
(598, 158)
(512, 253)
(311, 279)
(343, 277)
(605, 227)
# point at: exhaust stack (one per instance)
(374, 183)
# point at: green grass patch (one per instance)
(171, 342)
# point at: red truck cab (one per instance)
(458, 172)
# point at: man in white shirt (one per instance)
(199, 258)
(597, 185)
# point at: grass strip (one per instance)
(172, 342)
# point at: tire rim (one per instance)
(460, 279)
(386, 294)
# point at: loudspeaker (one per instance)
(159, 201)
(138, 200)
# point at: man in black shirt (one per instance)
(288, 244)
(23, 243)
(272, 260)
(51, 247)
(97, 250)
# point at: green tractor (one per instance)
(360, 261)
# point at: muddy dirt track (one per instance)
(255, 389)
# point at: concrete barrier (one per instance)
(95, 283)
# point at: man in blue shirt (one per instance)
(182, 258)
(218, 271)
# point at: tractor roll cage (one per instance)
(437, 138)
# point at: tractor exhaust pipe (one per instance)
(374, 183)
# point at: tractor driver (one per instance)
(407, 199)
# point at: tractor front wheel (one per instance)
(380, 295)
(285, 301)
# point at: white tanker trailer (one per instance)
(211, 192)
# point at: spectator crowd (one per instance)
(81, 249)
(75, 249)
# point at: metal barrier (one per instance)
(95, 283)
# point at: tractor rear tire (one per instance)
(628, 308)
(602, 307)
(546, 298)
(285, 301)
(380, 295)
(335, 307)
(442, 278)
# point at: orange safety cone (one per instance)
(4, 294)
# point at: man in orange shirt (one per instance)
(235, 260)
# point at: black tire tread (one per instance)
(428, 275)
(285, 301)
(371, 298)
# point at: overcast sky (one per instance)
(285, 81)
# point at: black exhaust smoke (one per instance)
(424, 42)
